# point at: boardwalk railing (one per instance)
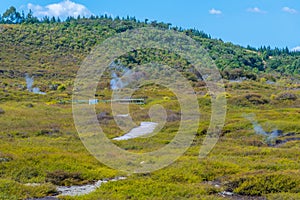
(120, 101)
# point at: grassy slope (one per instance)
(39, 141)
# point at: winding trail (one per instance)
(83, 189)
(144, 129)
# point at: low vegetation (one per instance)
(40, 148)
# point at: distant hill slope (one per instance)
(54, 50)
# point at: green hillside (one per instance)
(29, 39)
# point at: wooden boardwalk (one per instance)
(119, 101)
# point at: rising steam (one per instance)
(270, 137)
(29, 84)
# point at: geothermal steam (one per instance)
(29, 84)
(269, 136)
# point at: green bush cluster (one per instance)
(14, 191)
(65, 178)
(267, 183)
(286, 96)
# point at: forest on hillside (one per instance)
(27, 35)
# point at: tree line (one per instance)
(80, 34)
(12, 16)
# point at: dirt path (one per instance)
(144, 129)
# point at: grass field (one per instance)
(39, 144)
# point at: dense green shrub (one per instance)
(283, 196)
(14, 190)
(248, 100)
(255, 99)
(61, 88)
(65, 178)
(266, 183)
(286, 96)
